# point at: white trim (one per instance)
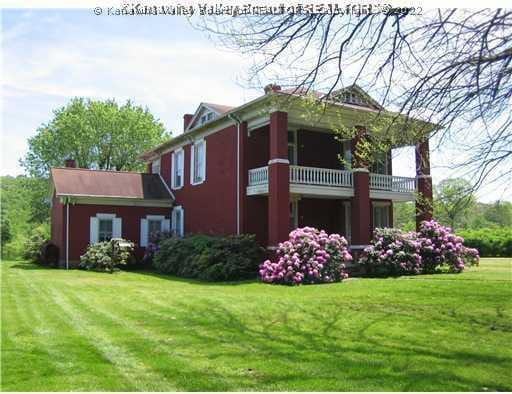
(181, 231)
(167, 187)
(381, 203)
(102, 196)
(360, 170)
(278, 161)
(144, 227)
(155, 217)
(67, 235)
(348, 220)
(393, 196)
(321, 191)
(192, 159)
(181, 166)
(423, 176)
(157, 162)
(196, 114)
(106, 215)
(116, 201)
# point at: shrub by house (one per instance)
(309, 256)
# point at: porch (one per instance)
(332, 183)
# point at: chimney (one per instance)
(187, 118)
(272, 87)
(70, 163)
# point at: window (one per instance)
(380, 165)
(348, 221)
(177, 225)
(206, 117)
(155, 166)
(198, 163)
(294, 217)
(105, 231)
(177, 169)
(150, 225)
(347, 155)
(381, 215)
(292, 147)
(104, 227)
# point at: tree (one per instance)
(97, 134)
(451, 67)
(499, 213)
(453, 201)
(404, 216)
(5, 227)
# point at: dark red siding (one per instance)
(79, 224)
(210, 207)
(57, 224)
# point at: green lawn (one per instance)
(129, 331)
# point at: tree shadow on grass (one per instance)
(357, 358)
(159, 275)
(30, 266)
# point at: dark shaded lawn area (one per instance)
(134, 331)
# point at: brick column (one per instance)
(278, 180)
(424, 201)
(361, 206)
(244, 177)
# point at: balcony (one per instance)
(324, 182)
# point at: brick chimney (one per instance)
(70, 163)
(187, 118)
(272, 87)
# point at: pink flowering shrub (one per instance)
(440, 247)
(432, 249)
(309, 256)
(392, 252)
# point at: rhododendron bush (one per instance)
(309, 256)
(433, 248)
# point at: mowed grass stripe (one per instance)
(441, 332)
(80, 366)
(136, 375)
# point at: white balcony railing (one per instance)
(320, 176)
(335, 178)
(399, 184)
(258, 176)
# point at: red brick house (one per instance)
(260, 168)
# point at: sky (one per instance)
(163, 63)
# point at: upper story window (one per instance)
(352, 98)
(177, 166)
(292, 147)
(198, 162)
(206, 117)
(380, 164)
(347, 155)
(155, 166)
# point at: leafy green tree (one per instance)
(453, 200)
(499, 213)
(5, 227)
(404, 216)
(97, 134)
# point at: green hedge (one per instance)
(210, 258)
(490, 242)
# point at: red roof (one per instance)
(221, 109)
(100, 183)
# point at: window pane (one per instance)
(154, 226)
(105, 230)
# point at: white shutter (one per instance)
(203, 161)
(166, 225)
(192, 154)
(173, 170)
(181, 166)
(117, 228)
(144, 232)
(93, 230)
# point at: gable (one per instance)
(354, 95)
(206, 112)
